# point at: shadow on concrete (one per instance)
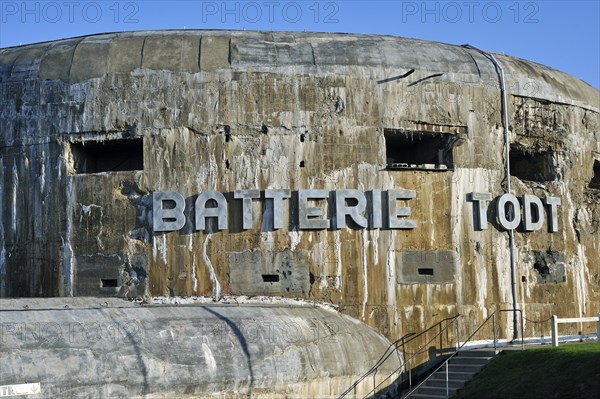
(241, 339)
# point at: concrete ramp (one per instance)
(101, 348)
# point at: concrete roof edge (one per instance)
(70, 303)
(524, 78)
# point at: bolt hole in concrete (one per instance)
(108, 156)
(532, 165)
(270, 278)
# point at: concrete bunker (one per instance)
(198, 350)
(200, 100)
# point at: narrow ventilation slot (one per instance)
(109, 283)
(108, 155)
(270, 278)
(425, 271)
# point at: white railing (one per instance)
(556, 321)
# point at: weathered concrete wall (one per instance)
(113, 348)
(227, 111)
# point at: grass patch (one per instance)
(569, 371)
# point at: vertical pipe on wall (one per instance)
(511, 237)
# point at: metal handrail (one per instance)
(381, 360)
(450, 357)
(454, 319)
(433, 326)
(394, 344)
(445, 362)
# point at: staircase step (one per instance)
(441, 382)
(426, 396)
(462, 368)
(476, 353)
(470, 360)
(438, 391)
(459, 375)
(468, 368)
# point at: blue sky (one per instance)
(562, 34)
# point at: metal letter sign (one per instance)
(316, 209)
(509, 210)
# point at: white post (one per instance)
(447, 392)
(598, 328)
(554, 330)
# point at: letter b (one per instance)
(169, 219)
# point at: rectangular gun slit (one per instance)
(270, 278)
(109, 283)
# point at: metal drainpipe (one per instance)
(511, 237)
